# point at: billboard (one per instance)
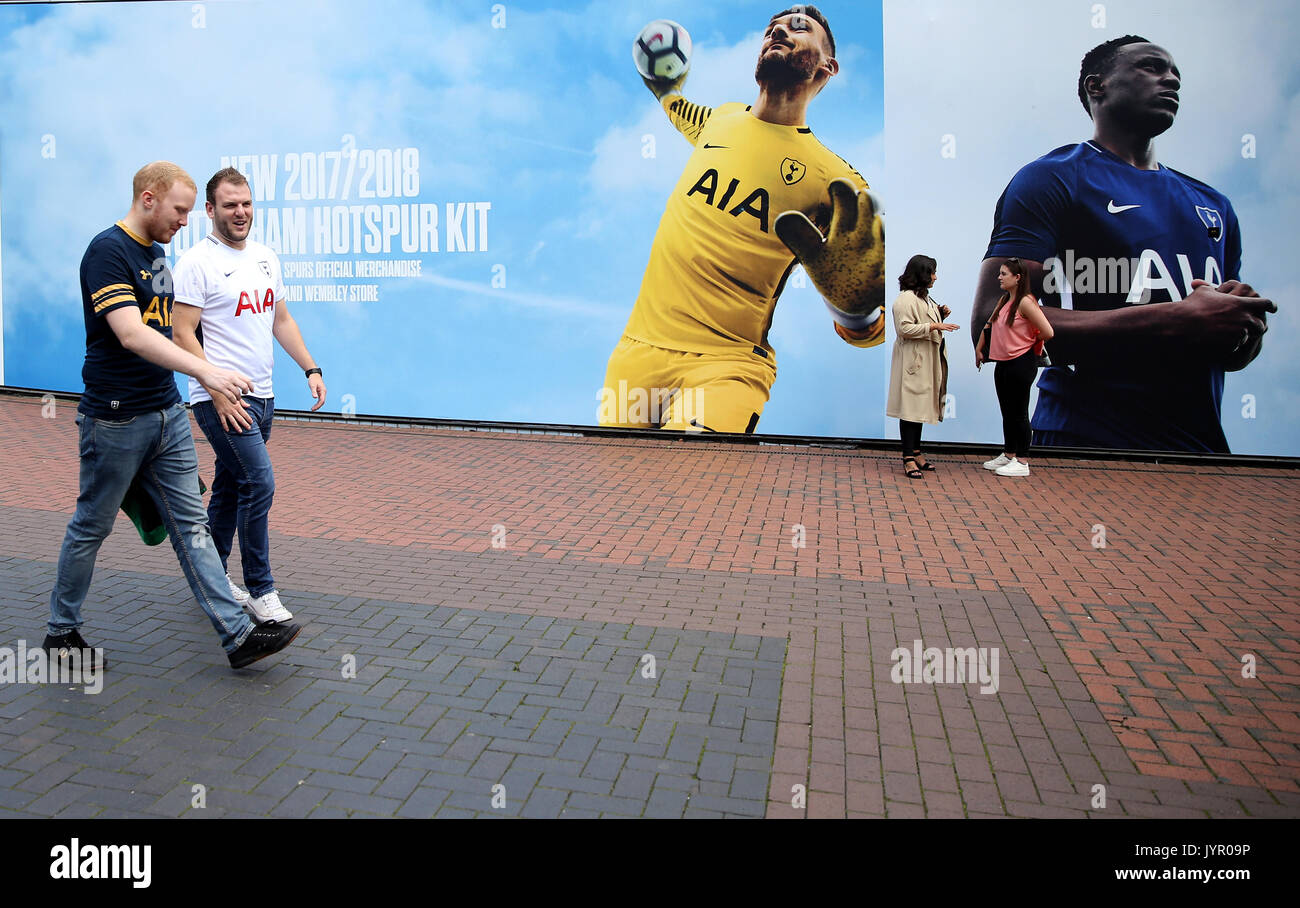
(975, 92)
(464, 197)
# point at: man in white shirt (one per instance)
(229, 304)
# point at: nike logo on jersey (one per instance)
(707, 145)
(1116, 209)
(229, 273)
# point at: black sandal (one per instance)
(915, 472)
(927, 466)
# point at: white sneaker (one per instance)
(1000, 461)
(1014, 468)
(267, 608)
(240, 594)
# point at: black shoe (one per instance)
(59, 649)
(262, 642)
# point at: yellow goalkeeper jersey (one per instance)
(717, 266)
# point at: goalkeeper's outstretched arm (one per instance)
(686, 117)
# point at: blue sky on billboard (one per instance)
(544, 119)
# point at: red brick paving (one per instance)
(1199, 568)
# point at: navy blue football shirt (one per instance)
(121, 269)
(1113, 235)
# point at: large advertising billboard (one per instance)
(991, 151)
(464, 197)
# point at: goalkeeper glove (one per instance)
(847, 266)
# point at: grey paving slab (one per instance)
(438, 719)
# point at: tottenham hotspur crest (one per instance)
(1212, 220)
(792, 171)
(265, 266)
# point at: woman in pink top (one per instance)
(1016, 332)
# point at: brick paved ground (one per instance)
(522, 665)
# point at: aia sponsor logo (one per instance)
(257, 303)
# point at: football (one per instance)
(662, 51)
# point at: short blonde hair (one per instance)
(159, 177)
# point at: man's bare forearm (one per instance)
(1110, 335)
(188, 342)
(150, 345)
(289, 336)
(185, 328)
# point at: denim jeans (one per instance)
(242, 489)
(159, 448)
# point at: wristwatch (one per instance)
(311, 372)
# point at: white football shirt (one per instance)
(238, 290)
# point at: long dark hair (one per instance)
(1016, 267)
(917, 275)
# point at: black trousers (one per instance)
(1013, 380)
(910, 432)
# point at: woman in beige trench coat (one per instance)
(918, 374)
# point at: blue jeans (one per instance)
(242, 489)
(159, 448)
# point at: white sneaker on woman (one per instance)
(1000, 461)
(1014, 468)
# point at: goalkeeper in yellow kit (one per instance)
(695, 355)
